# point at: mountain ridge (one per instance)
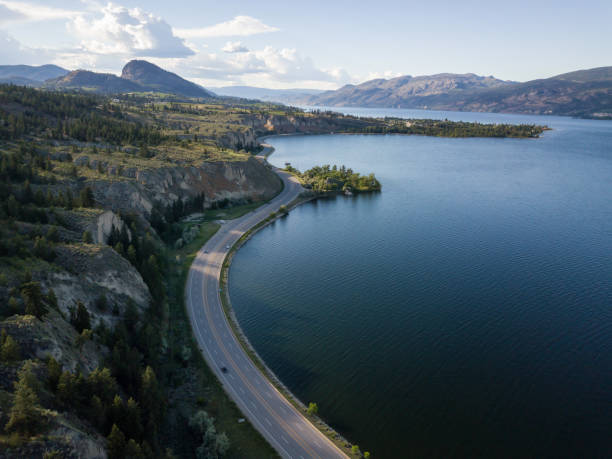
(30, 75)
(582, 93)
(136, 76)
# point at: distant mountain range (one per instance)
(137, 76)
(29, 75)
(284, 96)
(584, 93)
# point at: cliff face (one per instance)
(217, 180)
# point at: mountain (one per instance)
(29, 75)
(394, 92)
(84, 80)
(285, 96)
(584, 93)
(155, 78)
(137, 76)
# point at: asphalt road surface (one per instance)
(287, 430)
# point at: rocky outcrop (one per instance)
(104, 224)
(89, 274)
(217, 180)
(53, 337)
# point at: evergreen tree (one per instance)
(24, 417)
(86, 197)
(54, 372)
(79, 318)
(115, 443)
(9, 351)
(133, 423)
(87, 238)
(32, 296)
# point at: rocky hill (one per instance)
(85, 80)
(155, 78)
(396, 91)
(584, 93)
(137, 76)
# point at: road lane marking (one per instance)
(222, 347)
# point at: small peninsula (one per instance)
(333, 179)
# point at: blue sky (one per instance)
(318, 44)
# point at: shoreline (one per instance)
(327, 430)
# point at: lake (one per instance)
(466, 310)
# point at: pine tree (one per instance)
(54, 372)
(133, 423)
(24, 416)
(32, 296)
(115, 443)
(79, 318)
(133, 450)
(10, 352)
(87, 238)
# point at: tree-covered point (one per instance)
(328, 178)
(446, 128)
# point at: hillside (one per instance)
(396, 91)
(30, 75)
(585, 93)
(137, 76)
(84, 80)
(155, 78)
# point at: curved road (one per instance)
(287, 430)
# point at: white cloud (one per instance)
(387, 74)
(238, 26)
(11, 11)
(270, 67)
(13, 52)
(234, 47)
(133, 32)
(105, 37)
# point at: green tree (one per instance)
(115, 443)
(80, 318)
(87, 237)
(86, 197)
(366, 455)
(9, 351)
(132, 421)
(133, 450)
(97, 413)
(13, 305)
(54, 372)
(312, 408)
(81, 339)
(65, 388)
(24, 417)
(32, 296)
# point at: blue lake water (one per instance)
(466, 310)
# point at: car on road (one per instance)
(223, 370)
(206, 251)
(227, 247)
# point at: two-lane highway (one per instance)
(287, 430)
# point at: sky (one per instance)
(310, 44)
